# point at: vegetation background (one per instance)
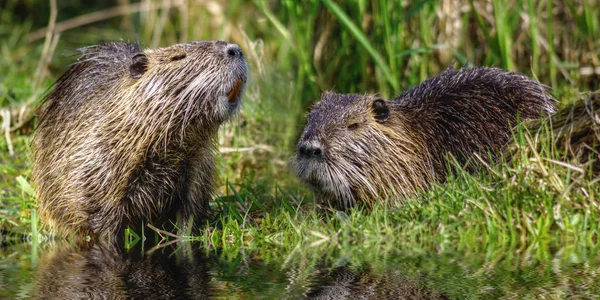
(298, 49)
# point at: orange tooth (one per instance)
(233, 95)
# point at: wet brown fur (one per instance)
(360, 148)
(129, 135)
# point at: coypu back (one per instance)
(97, 68)
(128, 136)
(471, 111)
(358, 148)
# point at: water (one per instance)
(191, 271)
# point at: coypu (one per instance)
(129, 135)
(357, 148)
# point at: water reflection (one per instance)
(106, 271)
(345, 282)
(191, 271)
(185, 271)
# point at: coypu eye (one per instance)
(381, 110)
(178, 57)
(139, 66)
(353, 126)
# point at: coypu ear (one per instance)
(381, 110)
(138, 66)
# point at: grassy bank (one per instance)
(296, 51)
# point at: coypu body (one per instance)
(359, 148)
(128, 136)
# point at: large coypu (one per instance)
(128, 136)
(359, 148)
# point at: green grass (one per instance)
(532, 199)
(299, 49)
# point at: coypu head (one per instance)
(356, 149)
(205, 77)
(201, 80)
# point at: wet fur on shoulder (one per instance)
(360, 148)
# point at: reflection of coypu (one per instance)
(357, 148)
(106, 272)
(129, 135)
(343, 282)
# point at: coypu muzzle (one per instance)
(234, 52)
(310, 149)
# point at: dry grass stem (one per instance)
(5, 114)
(96, 17)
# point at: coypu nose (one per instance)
(233, 50)
(310, 150)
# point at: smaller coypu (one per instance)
(358, 148)
(129, 135)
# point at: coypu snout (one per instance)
(310, 150)
(308, 160)
(234, 52)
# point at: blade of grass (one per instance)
(362, 39)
